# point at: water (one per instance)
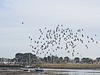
(73, 72)
(56, 72)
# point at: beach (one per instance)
(50, 69)
(20, 72)
(52, 72)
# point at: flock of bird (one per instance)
(60, 38)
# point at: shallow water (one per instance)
(74, 72)
(60, 72)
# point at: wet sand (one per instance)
(10, 72)
(18, 71)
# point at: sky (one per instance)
(38, 14)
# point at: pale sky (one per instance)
(38, 14)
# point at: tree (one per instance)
(49, 59)
(25, 58)
(66, 59)
(61, 59)
(19, 57)
(98, 58)
(57, 59)
(45, 59)
(87, 60)
(76, 60)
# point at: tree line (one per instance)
(29, 58)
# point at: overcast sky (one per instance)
(37, 14)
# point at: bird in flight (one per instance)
(22, 22)
(50, 41)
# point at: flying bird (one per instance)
(58, 39)
(22, 22)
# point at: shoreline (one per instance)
(47, 66)
(45, 72)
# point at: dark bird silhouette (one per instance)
(58, 39)
(82, 35)
(96, 42)
(22, 22)
(86, 46)
(77, 53)
(87, 36)
(29, 37)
